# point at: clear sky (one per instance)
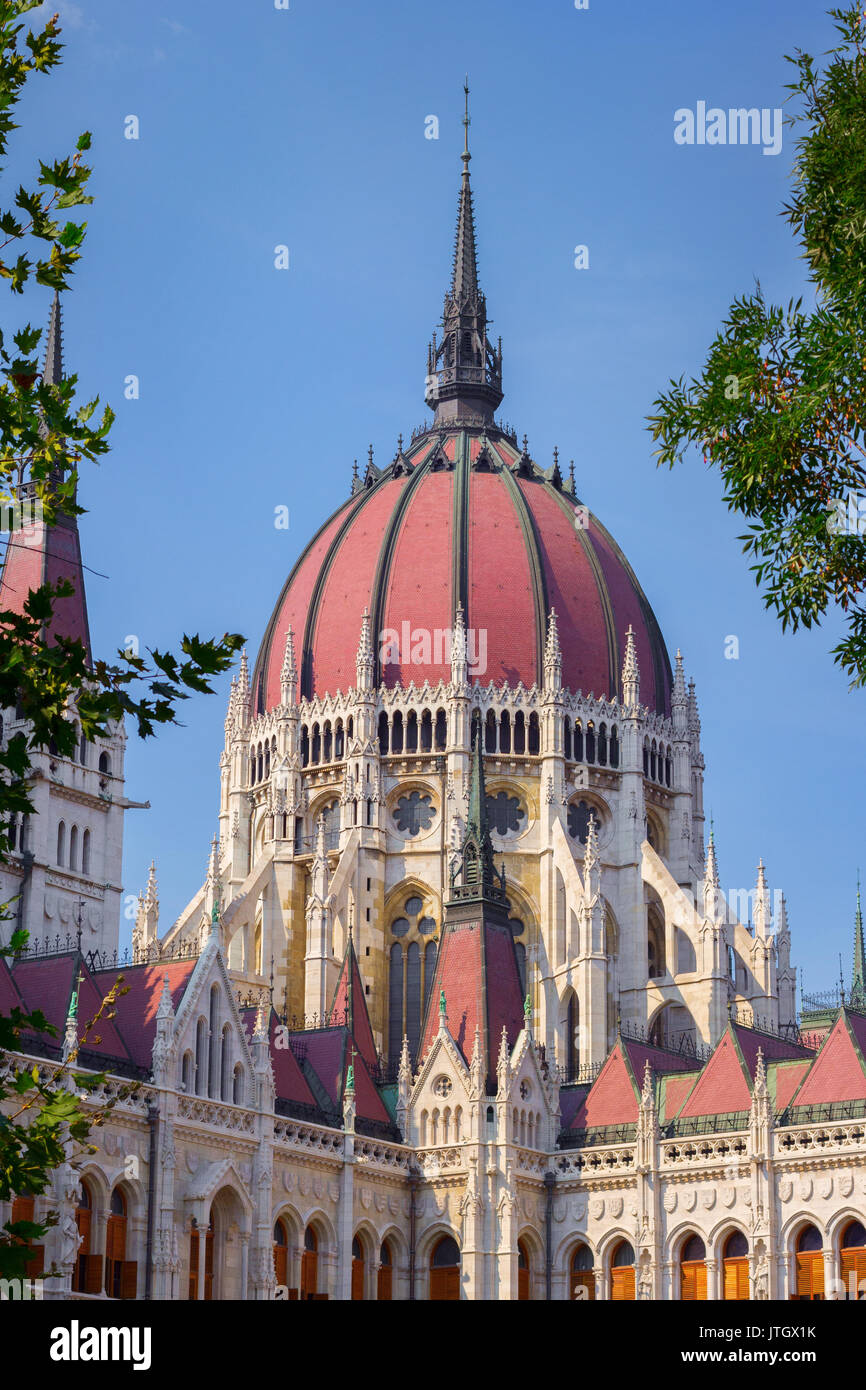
(258, 387)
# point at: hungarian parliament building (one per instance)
(459, 1010)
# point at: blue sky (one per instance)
(305, 127)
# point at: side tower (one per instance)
(64, 870)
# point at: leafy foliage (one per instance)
(44, 437)
(781, 402)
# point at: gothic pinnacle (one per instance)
(52, 372)
(364, 661)
(552, 654)
(289, 672)
(630, 673)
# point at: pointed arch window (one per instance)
(61, 844)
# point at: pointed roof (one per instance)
(726, 1082)
(858, 976)
(614, 1096)
(476, 967)
(839, 1070)
(464, 275)
(52, 372)
(38, 554)
(349, 1006)
(464, 371)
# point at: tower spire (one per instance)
(858, 979)
(464, 371)
(52, 372)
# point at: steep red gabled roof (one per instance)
(328, 1051)
(47, 983)
(289, 1081)
(787, 1076)
(9, 995)
(349, 1007)
(477, 970)
(614, 1096)
(725, 1086)
(838, 1072)
(136, 1011)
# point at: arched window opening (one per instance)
(238, 1084)
(105, 764)
(327, 743)
(505, 732)
(87, 1273)
(340, 740)
(357, 1271)
(225, 1061)
(426, 732)
(810, 1266)
(590, 742)
(82, 751)
(572, 1037)
(578, 742)
(519, 732)
(582, 1278)
(735, 1268)
(73, 847)
(61, 844)
(523, 1272)
(411, 732)
(281, 1254)
(316, 745)
(305, 746)
(385, 1273)
(622, 1280)
(490, 732)
(693, 1271)
(602, 745)
(85, 852)
(566, 737)
(201, 1057)
(441, 730)
(383, 733)
(121, 1275)
(614, 747)
(655, 943)
(445, 1271)
(397, 733)
(186, 1073)
(310, 1265)
(534, 735)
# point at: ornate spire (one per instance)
(458, 649)
(694, 719)
(476, 875)
(762, 903)
(630, 673)
(858, 978)
(166, 1006)
(70, 1037)
(552, 655)
(289, 672)
(52, 372)
(679, 699)
(243, 690)
(464, 373)
(364, 662)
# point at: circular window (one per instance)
(525, 1090)
(414, 813)
(400, 927)
(505, 813)
(442, 1086)
(578, 820)
(413, 906)
(426, 926)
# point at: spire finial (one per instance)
(858, 978)
(466, 156)
(52, 372)
(630, 673)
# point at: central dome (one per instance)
(463, 519)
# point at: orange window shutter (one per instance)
(357, 1280)
(281, 1264)
(817, 1276)
(701, 1282)
(129, 1279)
(622, 1284)
(585, 1282)
(688, 1283)
(93, 1274)
(82, 1218)
(384, 1289)
(743, 1281)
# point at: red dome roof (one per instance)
(462, 517)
